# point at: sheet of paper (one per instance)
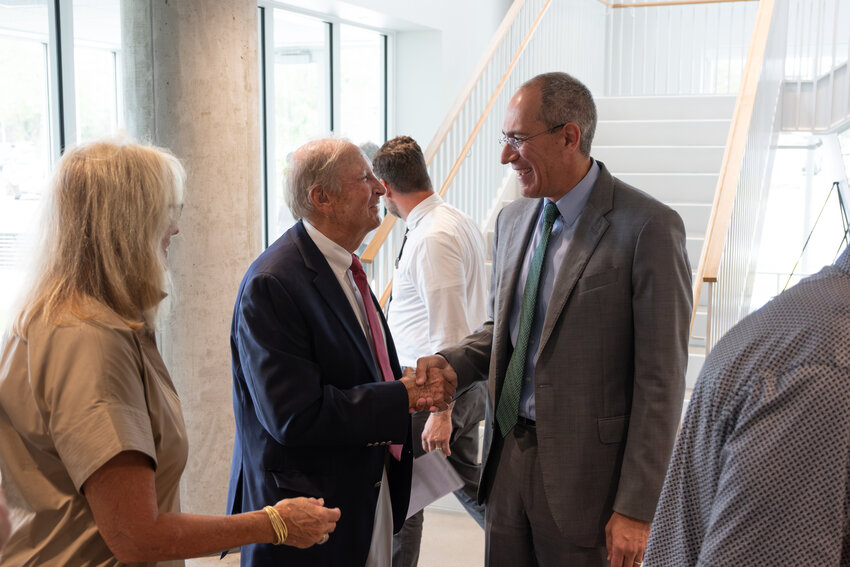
(433, 478)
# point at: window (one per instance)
(363, 101)
(318, 76)
(25, 144)
(52, 94)
(301, 94)
(803, 219)
(97, 47)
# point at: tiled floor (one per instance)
(449, 539)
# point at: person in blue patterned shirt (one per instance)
(760, 474)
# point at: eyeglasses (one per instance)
(515, 142)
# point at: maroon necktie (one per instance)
(374, 330)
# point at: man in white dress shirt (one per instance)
(439, 296)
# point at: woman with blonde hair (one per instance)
(92, 440)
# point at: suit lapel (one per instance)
(331, 293)
(592, 224)
(516, 234)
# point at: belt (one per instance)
(524, 421)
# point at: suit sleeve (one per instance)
(471, 357)
(295, 400)
(661, 309)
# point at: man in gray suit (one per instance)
(586, 348)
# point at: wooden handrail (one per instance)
(480, 124)
(383, 231)
(733, 156)
(667, 3)
(385, 297)
(456, 108)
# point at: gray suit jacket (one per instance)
(609, 377)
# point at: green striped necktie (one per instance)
(507, 409)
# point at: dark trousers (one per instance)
(520, 529)
(468, 412)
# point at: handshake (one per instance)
(430, 385)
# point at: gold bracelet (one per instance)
(278, 525)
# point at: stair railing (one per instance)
(675, 47)
(817, 78)
(726, 265)
(643, 4)
(467, 136)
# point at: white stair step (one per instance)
(693, 244)
(695, 363)
(703, 296)
(660, 159)
(695, 216)
(704, 132)
(665, 107)
(700, 320)
(675, 187)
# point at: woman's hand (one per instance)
(307, 520)
(122, 497)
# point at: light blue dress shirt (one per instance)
(570, 206)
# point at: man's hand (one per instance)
(625, 539)
(437, 432)
(432, 386)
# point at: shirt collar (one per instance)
(572, 204)
(422, 209)
(338, 257)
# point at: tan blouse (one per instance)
(72, 397)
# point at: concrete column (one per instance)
(192, 83)
(137, 68)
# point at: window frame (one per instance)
(333, 99)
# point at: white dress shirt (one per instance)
(440, 283)
(339, 259)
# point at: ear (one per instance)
(321, 200)
(572, 136)
(389, 192)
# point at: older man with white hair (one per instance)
(321, 406)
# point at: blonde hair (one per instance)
(106, 214)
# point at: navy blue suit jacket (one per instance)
(312, 416)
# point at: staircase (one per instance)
(672, 148)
